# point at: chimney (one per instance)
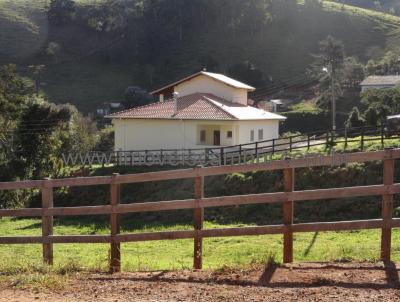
(175, 96)
(161, 98)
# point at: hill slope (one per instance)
(163, 42)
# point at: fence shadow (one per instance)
(265, 278)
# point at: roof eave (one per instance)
(172, 118)
(248, 88)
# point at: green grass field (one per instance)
(168, 255)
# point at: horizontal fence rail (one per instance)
(287, 198)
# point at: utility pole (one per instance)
(333, 99)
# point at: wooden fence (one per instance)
(199, 203)
(237, 154)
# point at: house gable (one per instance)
(205, 84)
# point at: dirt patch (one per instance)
(297, 282)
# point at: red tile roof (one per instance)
(197, 106)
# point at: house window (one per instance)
(260, 134)
(229, 134)
(203, 136)
(252, 135)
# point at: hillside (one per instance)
(158, 43)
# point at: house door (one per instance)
(217, 137)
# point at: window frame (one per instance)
(203, 136)
(260, 134)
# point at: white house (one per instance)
(380, 82)
(203, 110)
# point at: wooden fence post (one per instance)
(288, 178)
(115, 257)
(47, 220)
(198, 222)
(387, 208)
(273, 146)
(362, 139)
(327, 140)
(257, 159)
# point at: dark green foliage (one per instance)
(385, 101)
(61, 12)
(331, 54)
(328, 69)
(353, 73)
(101, 49)
(105, 141)
(310, 121)
(371, 116)
(13, 92)
(33, 135)
(36, 141)
(355, 119)
(136, 96)
(388, 65)
(248, 73)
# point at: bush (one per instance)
(310, 121)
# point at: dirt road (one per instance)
(299, 282)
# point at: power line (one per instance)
(292, 82)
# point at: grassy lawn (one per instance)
(166, 255)
(371, 143)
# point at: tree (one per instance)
(209, 63)
(61, 12)
(53, 49)
(37, 71)
(36, 139)
(353, 72)
(328, 69)
(388, 65)
(247, 73)
(80, 134)
(136, 96)
(331, 53)
(355, 119)
(105, 140)
(371, 116)
(385, 101)
(13, 93)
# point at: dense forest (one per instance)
(88, 52)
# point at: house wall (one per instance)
(146, 134)
(205, 84)
(270, 130)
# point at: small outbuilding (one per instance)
(380, 82)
